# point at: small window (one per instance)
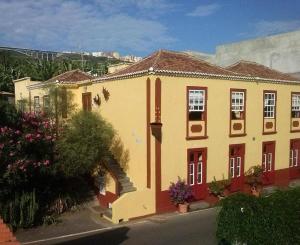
(36, 104)
(295, 105)
(269, 105)
(21, 105)
(46, 102)
(237, 104)
(196, 104)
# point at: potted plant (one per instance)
(180, 194)
(219, 188)
(254, 177)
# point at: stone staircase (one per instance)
(124, 183)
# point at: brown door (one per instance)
(294, 159)
(197, 172)
(268, 162)
(236, 166)
(87, 101)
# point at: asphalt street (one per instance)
(193, 228)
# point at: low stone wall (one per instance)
(6, 236)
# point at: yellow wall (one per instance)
(174, 146)
(126, 111)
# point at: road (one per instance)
(192, 228)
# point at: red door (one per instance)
(294, 159)
(87, 101)
(268, 162)
(197, 172)
(236, 166)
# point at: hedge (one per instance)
(246, 219)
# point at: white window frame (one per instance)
(237, 101)
(269, 104)
(191, 173)
(231, 167)
(296, 157)
(264, 162)
(196, 100)
(296, 102)
(200, 163)
(270, 158)
(238, 166)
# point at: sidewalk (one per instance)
(71, 222)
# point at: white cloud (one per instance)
(66, 25)
(205, 10)
(263, 28)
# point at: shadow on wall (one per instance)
(114, 237)
(120, 153)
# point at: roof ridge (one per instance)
(208, 63)
(156, 59)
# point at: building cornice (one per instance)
(195, 75)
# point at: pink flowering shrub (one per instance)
(28, 146)
(180, 192)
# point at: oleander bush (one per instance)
(250, 220)
(45, 169)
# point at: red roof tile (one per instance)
(172, 61)
(71, 77)
(253, 69)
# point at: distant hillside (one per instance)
(14, 65)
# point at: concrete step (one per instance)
(199, 205)
(268, 190)
(127, 190)
(126, 184)
(294, 183)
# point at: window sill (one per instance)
(267, 133)
(237, 135)
(295, 131)
(196, 138)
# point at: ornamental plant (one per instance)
(254, 176)
(218, 188)
(180, 192)
(27, 146)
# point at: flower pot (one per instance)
(183, 208)
(256, 191)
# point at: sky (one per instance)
(140, 27)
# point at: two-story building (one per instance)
(181, 116)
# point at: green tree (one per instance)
(84, 144)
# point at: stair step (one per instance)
(108, 213)
(124, 179)
(125, 190)
(126, 184)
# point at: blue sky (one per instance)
(140, 27)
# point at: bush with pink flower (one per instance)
(180, 192)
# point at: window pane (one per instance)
(264, 162)
(196, 100)
(291, 158)
(269, 105)
(269, 161)
(191, 175)
(238, 167)
(199, 174)
(231, 167)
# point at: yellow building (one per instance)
(180, 116)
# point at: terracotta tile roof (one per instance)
(253, 69)
(164, 60)
(73, 76)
